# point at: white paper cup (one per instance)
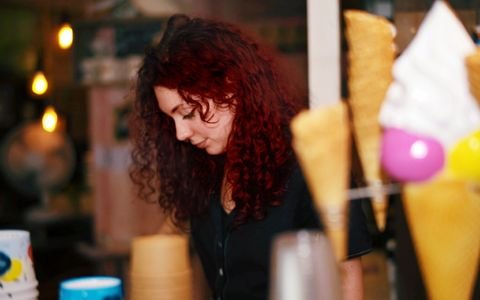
(20, 295)
(18, 288)
(16, 263)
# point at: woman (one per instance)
(212, 146)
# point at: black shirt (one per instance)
(236, 261)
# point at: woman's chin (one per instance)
(214, 150)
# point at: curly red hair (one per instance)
(213, 60)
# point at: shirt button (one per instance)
(220, 271)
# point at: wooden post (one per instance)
(323, 52)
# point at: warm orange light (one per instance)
(49, 119)
(65, 36)
(39, 83)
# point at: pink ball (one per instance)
(410, 157)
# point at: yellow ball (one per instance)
(14, 272)
(464, 159)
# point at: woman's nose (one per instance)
(183, 131)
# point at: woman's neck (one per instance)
(226, 196)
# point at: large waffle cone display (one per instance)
(473, 69)
(444, 220)
(321, 142)
(371, 56)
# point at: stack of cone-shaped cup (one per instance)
(473, 69)
(444, 220)
(17, 275)
(321, 142)
(160, 268)
(370, 57)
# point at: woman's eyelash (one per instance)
(190, 114)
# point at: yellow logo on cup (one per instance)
(14, 272)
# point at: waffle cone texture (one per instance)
(321, 143)
(371, 57)
(444, 220)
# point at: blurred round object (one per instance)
(464, 159)
(33, 160)
(158, 7)
(410, 157)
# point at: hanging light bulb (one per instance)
(49, 119)
(39, 83)
(65, 36)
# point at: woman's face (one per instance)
(189, 127)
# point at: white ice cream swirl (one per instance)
(430, 93)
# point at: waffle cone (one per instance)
(321, 142)
(473, 69)
(444, 220)
(371, 57)
(379, 206)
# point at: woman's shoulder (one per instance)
(298, 197)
